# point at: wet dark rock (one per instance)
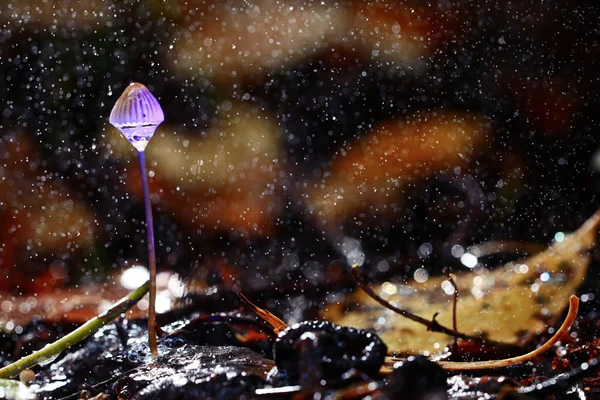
(119, 348)
(417, 378)
(222, 330)
(315, 350)
(212, 335)
(197, 372)
(106, 355)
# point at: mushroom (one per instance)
(137, 114)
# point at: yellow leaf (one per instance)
(509, 304)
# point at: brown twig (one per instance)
(454, 303)
(432, 325)
(476, 365)
(359, 390)
(388, 367)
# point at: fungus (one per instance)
(137, 114)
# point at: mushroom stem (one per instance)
(151, 255)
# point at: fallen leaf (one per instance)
(220, 179)
(77, 305)
(277, 324)
(401, 33)
(261, 38)
(41, 218)
(374, 171)
(70, 15)
(510, 304)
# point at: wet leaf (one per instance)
(375, 170)
(509, 304)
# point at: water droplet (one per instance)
(44, 361)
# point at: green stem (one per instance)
(77, 335)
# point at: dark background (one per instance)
(533, 70)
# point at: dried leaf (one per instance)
(256, 41)
(489, 364)
(220, 180)
(394, 32)
(277, 324)
(510, 304)
(37, 210)
(378, 167)
(40, 218)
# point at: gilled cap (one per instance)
(137, 114)
(136, 107)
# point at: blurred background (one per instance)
(299, 136)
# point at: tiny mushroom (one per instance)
(137, 114)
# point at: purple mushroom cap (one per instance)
(137, 114)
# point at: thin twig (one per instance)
(359, 390)
(388, 367)
(54, 349)
(477, 365)
(432, 325)
(450, 279)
